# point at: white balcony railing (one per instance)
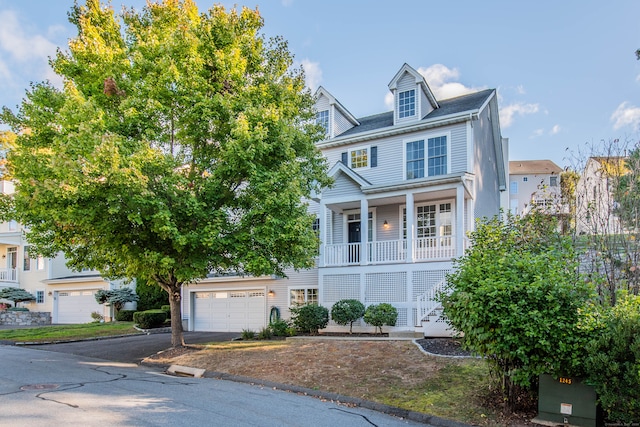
(8, 275)
(391, 251)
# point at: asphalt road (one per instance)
(132, 349)
(46, 388)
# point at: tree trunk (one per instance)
(172, 287)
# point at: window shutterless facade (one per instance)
(427, 157)
(301, 296)
(431, 220)
(322, 118)
(407, 103)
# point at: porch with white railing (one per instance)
(391, 251)
(8, 275)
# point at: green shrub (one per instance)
(125, 315)
(381, 314)
(151, 296)
(149, 319)
(265, 334)
(166, 309)
(310, 318)
(347, 311)
(613, 360)
(280, 328)
(248, 334)
(97, 317)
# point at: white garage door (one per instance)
(229, 311)
(77, 306)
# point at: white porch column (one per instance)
(410, 218)
(364, 231)
(322, 215)
(460, 230)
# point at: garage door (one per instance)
(77, 306)
(229, 311)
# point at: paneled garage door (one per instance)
(229, 311)
(77, 306)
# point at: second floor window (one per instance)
(434, 159)
(553, 181)
(407, 103)
(322, 118)
(360, 158)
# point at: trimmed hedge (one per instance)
(166, 309)
(150, 318)
(125, 315)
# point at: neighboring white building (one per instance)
(409, 185)
(595, 204)
(534, 183)
(67, 295)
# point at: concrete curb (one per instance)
(334, 397)
(66, 341)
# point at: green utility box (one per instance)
(567, 401)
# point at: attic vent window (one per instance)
(407, 103)
(322, 118)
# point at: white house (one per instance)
(409, 185)
(534, 183)
(67, 295)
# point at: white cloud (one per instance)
(442, 81)
(508, 113)
(20, 45)
(626, 115)
(312, 74)
(555, 130)
(388, 100)
(538, 132)
(520, 90)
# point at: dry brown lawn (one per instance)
(396, 373)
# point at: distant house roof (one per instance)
(527, 167)
(470, 102)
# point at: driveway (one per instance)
(134, 348)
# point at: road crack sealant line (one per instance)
(333, 397)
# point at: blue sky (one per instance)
(565, 71)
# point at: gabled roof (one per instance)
(333, 101)
(470, 103)
(406, 68)
(340, 167)
(523, 167)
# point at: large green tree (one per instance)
(181, 144)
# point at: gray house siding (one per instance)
(343, 186)
(340, 123)
(487, 191)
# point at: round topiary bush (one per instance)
(347, 311)
(381, 314)
(150, 318)
(310, 318)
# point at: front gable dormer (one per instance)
(331, 114)
(412, 97)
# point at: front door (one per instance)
(354, 237)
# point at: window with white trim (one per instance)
(13, 225)
(430, 162)
(39, 297)
(553, 181)
(431, 220)
(32, 262)
(301, 296)
(407, 103)
(322, 119)
(513, 187)
(359, 158)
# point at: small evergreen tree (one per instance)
(116, 298)
(16, 295)
(379, 315)
(347, 311)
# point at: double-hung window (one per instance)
(301, 296)
(322, 118)
(431, 158)
(407, 103)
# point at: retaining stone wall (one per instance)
(25, 318)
